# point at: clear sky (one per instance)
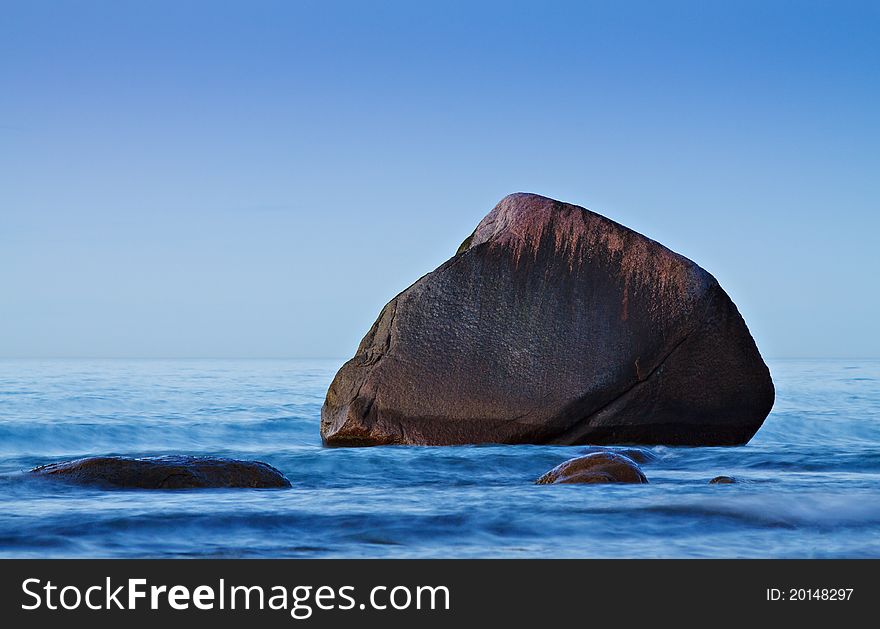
(258, 178)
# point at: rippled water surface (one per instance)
(811, 475)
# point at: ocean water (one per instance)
(811, 476)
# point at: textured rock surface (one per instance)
(599, 467)
(553, 324)
(168, 472)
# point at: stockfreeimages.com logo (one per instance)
(300, 601)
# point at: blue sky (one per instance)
(257, 179)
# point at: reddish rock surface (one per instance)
(553, 324)
(167, 472)
(599, 467)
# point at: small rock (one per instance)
(599, 467)
(165, 472)
(722, 480)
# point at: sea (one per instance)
(809, 480)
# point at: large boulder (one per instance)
(166, 472)
(553, 324)
(599, 467)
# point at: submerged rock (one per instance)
(639, 455)
(553, 324)
(166, 472)
(723, 480)
(599, 467)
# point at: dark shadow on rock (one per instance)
(165, 472)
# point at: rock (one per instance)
(599, 467)
(166, 472)
(639, 455)
(554, 325)
(722, 480)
